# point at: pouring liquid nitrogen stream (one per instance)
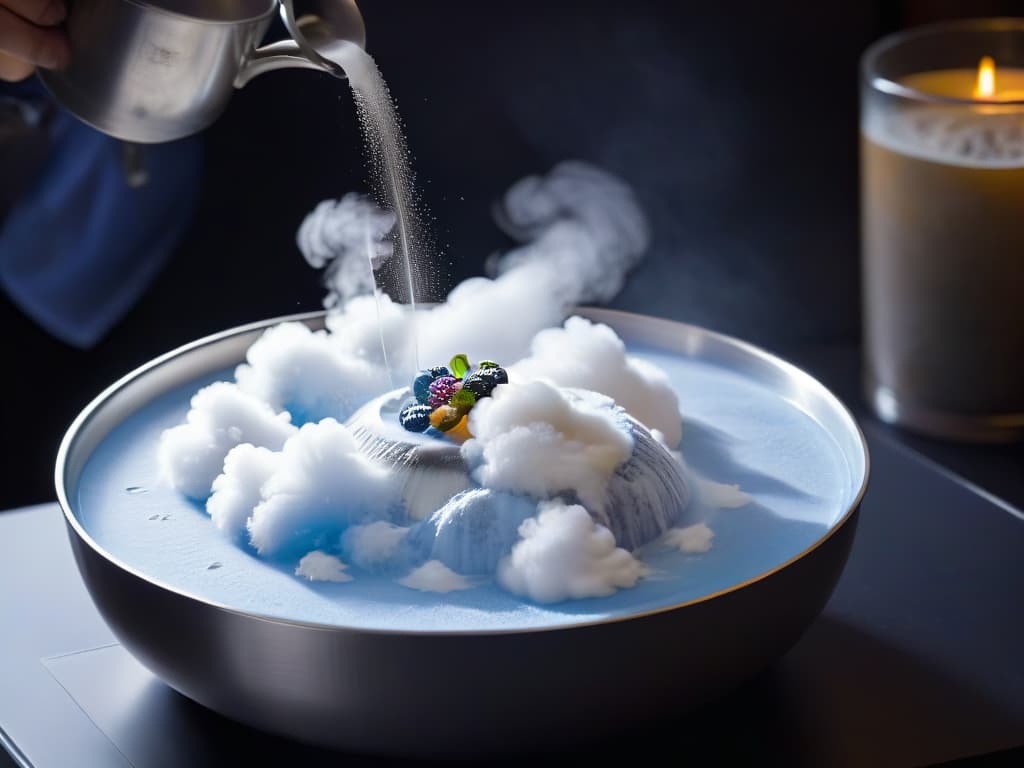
(400, 276)
(330, 33)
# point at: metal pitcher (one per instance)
(150, 71)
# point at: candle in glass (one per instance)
(942, 153)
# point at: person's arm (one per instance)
(29, 37)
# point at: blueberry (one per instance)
(421, 387)
(415, 418)
(439, 371)
(483, 381)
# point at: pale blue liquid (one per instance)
(734, 431)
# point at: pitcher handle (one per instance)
(342, 18)
(280, 55)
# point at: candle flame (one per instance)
(985, 88)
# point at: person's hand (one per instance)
(29, 37)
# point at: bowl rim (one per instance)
(596, 314)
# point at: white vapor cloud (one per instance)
(535, 439)
(435, 576)
(221, 416)
(582, 223)
(693, 539)
(581, 231)
(588, 355)
(563, 554)
(322, 485)
(236, 491)
(347, 237)
(322, 566)
(374, 544)
(293, 368)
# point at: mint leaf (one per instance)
(459, 366)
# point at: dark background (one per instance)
(736, 124)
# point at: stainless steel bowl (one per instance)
(482, 692)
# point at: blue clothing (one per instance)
(81, 246)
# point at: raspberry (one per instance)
(442, 389)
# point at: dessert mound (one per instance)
(472, 473)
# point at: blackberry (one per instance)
(483, 381)
(415, 418)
